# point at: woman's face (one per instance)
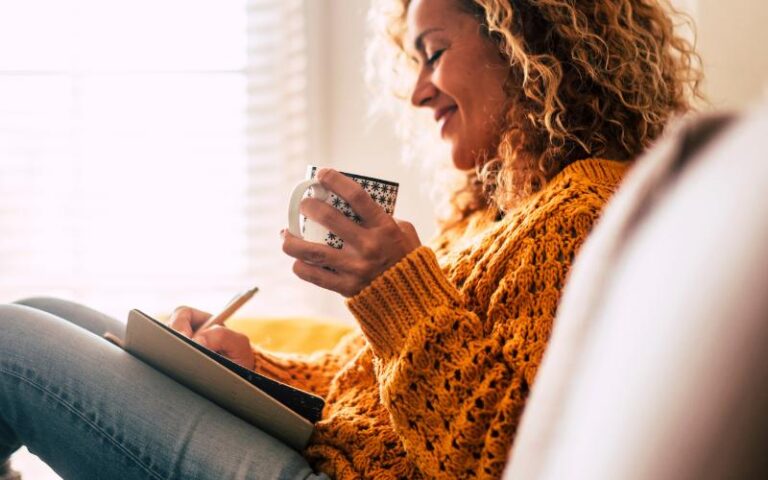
(461, 76)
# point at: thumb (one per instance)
(200, 339)
(410, 232)
(181, 321)
(185, 330)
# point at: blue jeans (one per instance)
(92, 411)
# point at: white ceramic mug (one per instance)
(383, 193)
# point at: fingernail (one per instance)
(321, 173)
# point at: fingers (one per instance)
(370, 248)
(353, 268)
(220, 338)
(181, 321)
(331, 218)
(186, 320)
(353, 193)
(410, 233)
(231, 344)
(313, 253)
(346, 285)
(321, 255)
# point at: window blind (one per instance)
(146, 149)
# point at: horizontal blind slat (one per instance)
(103, 171)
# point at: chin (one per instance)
(462, 159)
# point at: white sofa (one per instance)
(658, 361)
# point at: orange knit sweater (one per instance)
(451, 340)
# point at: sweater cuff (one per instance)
(401, 298)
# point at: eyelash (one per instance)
(435, 57)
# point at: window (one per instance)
(147, 148)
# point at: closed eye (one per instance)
(435, 57)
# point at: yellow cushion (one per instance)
(290, 335)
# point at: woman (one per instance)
(544, 104)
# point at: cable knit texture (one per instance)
(434, 384)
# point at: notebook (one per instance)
(285, 412)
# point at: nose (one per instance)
(424, 91)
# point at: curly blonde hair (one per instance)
(588, 78)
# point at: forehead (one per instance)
(423, 10)
(424, 15)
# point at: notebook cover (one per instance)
(283, 411)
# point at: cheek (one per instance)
(491, 99)
(477, 89)
(491, 80)
(459, 85)
(450, 81)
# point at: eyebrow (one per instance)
(419, 42)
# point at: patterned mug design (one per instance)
(382, 192)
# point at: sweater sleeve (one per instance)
(313, 372)
(454, 376)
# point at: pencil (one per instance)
(230, 309)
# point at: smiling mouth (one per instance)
(443, 116)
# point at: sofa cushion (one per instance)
(655, 366)
(291, 335)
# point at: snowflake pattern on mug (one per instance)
(383, 193)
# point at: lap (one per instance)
(85, 317)
(90, 410)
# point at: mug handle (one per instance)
(296, 196)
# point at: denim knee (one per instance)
(39, 302)
(81, 315)
(16, 320)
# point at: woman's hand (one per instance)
(370, 248)
(233, 345)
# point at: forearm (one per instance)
(454, 376)
(445, 381)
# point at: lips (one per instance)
(443, 111)
(443, 115)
